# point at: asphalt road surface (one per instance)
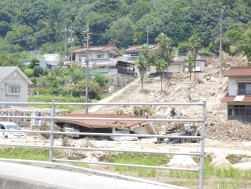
(20, 176)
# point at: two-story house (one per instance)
(176, 66)
(101, 58)
(132, 53)
(13, 85)
(238, 98)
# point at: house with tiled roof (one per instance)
(108, 124)
(176, 66)
(134, 50)
(105, 59)
(13, 85)
(238, 98)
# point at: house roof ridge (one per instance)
(10, 69)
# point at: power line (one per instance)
(25, 39)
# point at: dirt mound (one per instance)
(229, 131)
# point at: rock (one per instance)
(243, 166)
(182, 161)
(208, 77)
(221, 161)
(245, 160)
(212, 93)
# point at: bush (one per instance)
(142, 111)
(38, 71)
(204, 52)
(183, 48)
(29, 72)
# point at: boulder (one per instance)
(244, 166)
(182, 161)
(221, 161)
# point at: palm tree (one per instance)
(161, 65)
(143, 63)
(165, 44)
(194, 43)
(164, 58)
(190, 64)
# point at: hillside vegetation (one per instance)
(45, 24)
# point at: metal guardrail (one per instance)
(53, 117)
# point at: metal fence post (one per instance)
(53, 108)
(202, 146)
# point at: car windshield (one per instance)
(12, 127)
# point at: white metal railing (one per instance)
(53, 117)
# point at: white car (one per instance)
(6, 129)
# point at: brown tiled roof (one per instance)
(97, 48)
(231, 99)
(241, 71)
(102, 123)
(136, 48)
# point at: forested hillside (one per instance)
(40, 24)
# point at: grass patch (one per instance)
(233, 158)
(57, 99)
(28, 153)
(140, 159)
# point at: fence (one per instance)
(52, 117)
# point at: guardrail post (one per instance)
(53, 108)
(202, 146)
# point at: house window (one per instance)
(100, 56)
(111, 55)
(13, 90)
(240, 112)
(244, 88)
(134, 54)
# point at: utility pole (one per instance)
(87, 38)
(221, 15)
(66, 30)
(71, 40)
(147, 35)
(65, 44)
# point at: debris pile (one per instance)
(206, 86)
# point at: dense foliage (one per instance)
(40, 24)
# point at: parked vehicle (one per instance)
(6, 129)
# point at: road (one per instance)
(20, 176)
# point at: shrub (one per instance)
(183, 48)
(29, 72)
(142, 111)
(38, 71)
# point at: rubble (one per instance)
(207, 86)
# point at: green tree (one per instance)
(34, 63)
(194, 43)
(38, 71)
(161, 65)
(121, 32)
(245, 44)
(143, 63)
(93, 89)
(165, 49)
(190, 64)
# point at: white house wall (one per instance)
(94, 54)
(14, 79)
(233, 85)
